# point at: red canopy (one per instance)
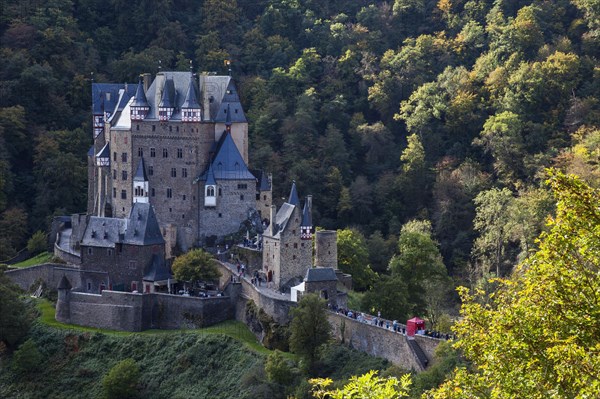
(413, 325)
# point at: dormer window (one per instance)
(210, 199)
(164, 114)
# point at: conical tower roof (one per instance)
(294, 200)
(140, 173)
(139, 100)
(168, 95)
(191, 97)
(307, 212)
(210, 176)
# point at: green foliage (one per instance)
(195, 265)
(37, 243)
(309, 328)
(279, 369)
(122, 380)
(353, 258)
(27, 358)
(537, 336)
(15, 316)
(368, 386)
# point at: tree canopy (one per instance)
(538, 335)
(195, 265)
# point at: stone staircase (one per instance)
(418, 352)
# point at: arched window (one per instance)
(210, 191)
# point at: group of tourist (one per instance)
(387, 324)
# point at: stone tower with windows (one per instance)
(179, 143)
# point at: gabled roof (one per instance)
(104, 152)
(191, 97)
(140, 173)
(210, 176)
(139, 100)
(293, 198)
(315, 274)
(157, 270)
(143, 228)
(168, 95)
(105, 96)
(228, 163)
(282, 218)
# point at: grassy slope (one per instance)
(36, 260)
(207, 363)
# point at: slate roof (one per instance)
(293, 199)
(263, 179)
(104, 152)
(228, 163)
(191, 97)
(210, 177)
(141, 228)
(315, 274)
(167, 99)
(64, 283)
(140, 173)
(230, 109)
(307, 212)
(157, 270)
(90, 152)
(282, 218)
(139, 100)
(102, 103)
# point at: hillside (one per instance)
(175, 365)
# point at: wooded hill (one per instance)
(444, 111)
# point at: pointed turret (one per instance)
(294, 200)
(306, 225)
(190, 109)
(167, 101)
(139, 107)
(140, 183)
(210, 188)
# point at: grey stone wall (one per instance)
(326, 248)
(321, 287)
(428, 345)
(136, 312)
(250, 257)
(120, 143)
(376, 341)
(51, 273)
(235, 199)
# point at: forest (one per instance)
(422, 128)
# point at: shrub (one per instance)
(37, 243)
(122, 380)
(27, 358)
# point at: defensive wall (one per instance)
(50, 273)
(127, 311)
(379, 341)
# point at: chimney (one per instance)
(271, 230)
(146, 80)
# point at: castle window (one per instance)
(89, 285)
(220, 192)
(183, 216)
(180, 153)
(115, 156)
(236, 110)
(302, 245)
(184, 197)
(295, 245)
(170, 128)
(124, 157)
(152, 152)
(89, 251)
(241, 197)
(264, 197)
(173, 172)
(169, 193)
(140, 152)
(170, 209)
(294, 231)
(109, 251)
(114, 192)
(125, 139)
(153, 128)
(220, 215)
(165, 153)
(137, 127)
(183, 172)
(287, 245)
(151, 170)
(114, 174)
(177, 129)
(242, 186)
(124, 175)
(123, 194)
(293, 256)
(153, 191)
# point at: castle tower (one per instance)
(139, 107)
(140, 183)
(293, 199)
(63, 304)
(210, 189)
(326, 249)
(167, 101)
